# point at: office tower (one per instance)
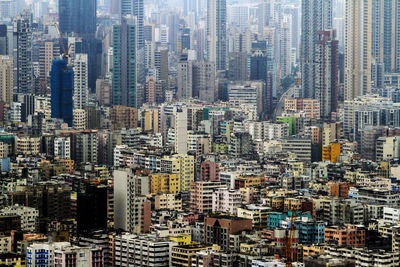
(81, 90)
(216, 33)
(23, 68)
(62, 86)
(78, 16)
(185, 42)
(357, 48)
(261, 69)
(326, 60)
(135, 8)
(237, 66)
(316, 16)
(285, 53)
(132, 212)
(6, 79)
(385, 34)
(124, 80)
(3, 40)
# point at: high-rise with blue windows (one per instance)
(124, 79)
(62, 87)
(135, 8)
(78, 16)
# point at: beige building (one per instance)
(6, 79)
(28, 145)
(357, 48)
(79, 121)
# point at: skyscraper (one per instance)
(216, 33)
(23, 68)
(78, 16)
(6, 79)
(124, 81)
(135, 8)
(62, 86)
(3, 40)
(326, 60)
(316, 16)
(81, 92)
(357, 48)
(386, 34)
(261, 69)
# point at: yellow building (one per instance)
(181, 255)
(181, 239)
(150, 123)
(167, 202)
(331, 152)
(182, 165)
(164, 183)
(249, 181)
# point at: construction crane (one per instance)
(289, 254)
(65, 51)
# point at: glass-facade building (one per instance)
(124, 63)
(62, 87)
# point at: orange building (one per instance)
(331, 152)
(339, 189)
(349, 235)
(124, 117)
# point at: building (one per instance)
(166, 201)
(182, 256)
(262, 68)
(201, 196)
(6, 79)
(153, 251)
(81, 81)
(62, 86)
(216, 33)
(226, 201)
(218, 229)
(28, 145)
(135, 8)
(209, 171)
(165, 183)
(132, 212)
(22, 54)
(79, 121)
(357, 48)
(86, 147)
(299, 146)
(182, 165)
(387, 148)
(29, 216)
(326, 69)
(124, 78)
(124, 117)
(63, 253)
(350, 235)
(331, 152)
(62, 147)
(180, 127)
(317, 16)
(77, 16)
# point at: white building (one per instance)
(62, 147)
(225, 200)
(129, 208)
(81, 86)
(152, 252)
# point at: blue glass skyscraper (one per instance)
(62, 87)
